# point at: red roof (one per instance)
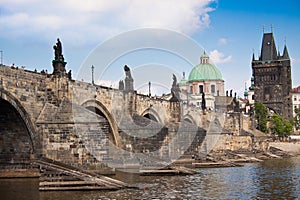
(296, 90)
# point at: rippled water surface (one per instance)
(273, 179)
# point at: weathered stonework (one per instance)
(272, 78)
(78, 123)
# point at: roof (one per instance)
(296, 90)
(268, 48)
(205, 71)
(182, 82)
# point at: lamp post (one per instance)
(1, 57)
(149, 89)
(93, 74)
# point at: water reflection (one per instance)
(273, 179)
(279, 179)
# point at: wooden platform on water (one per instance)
(58, 176)
(172, 170)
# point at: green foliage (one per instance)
(296, 119)
(280, 127)
(261, 112)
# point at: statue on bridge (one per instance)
(128, 80)
(121, 85)
(58, 63)
(203, 103)
(175, 90)
(58, 51)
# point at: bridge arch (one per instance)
(150, 113)
(189, 118)
(20, 128)
(100, 109)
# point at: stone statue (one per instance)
(70, 74)
(121, 85)
(236, 105)
(174, 81)
(58, 50)
(127, 71)
(59, 65)
(128, 79)
(203, 103)
(175, 90)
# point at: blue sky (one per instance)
(229, 30)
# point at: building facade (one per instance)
(204, 78)
(272, 77)
(296, 99)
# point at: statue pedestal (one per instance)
(59, 67)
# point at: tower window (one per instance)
(267, 95)
(191, 89)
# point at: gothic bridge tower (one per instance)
(272, 77)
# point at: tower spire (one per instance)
(285, 53)
(271, 28)
(268, 50)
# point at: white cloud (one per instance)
(107, 83)
(219, 57)
(222, 41)
(295, 60)
(86, 21)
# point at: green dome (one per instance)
(182, 82)
(205, 71)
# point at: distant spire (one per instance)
(263, 27)
(285, 53)
(271, 28)
(253, 57)
(284, 41)
(246, 91)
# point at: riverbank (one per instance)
(215, 159)
(229, 158)
(19, 173)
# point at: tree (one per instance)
(261, 112)
(280, 126)
(296, 119)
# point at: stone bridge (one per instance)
(53, 116)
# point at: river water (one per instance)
(272, 179)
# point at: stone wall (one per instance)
(74, 135)
(240, 143)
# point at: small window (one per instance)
(191, 89)
(213, 89)
(200, 88)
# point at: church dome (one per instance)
(183, 80)
(205, 71)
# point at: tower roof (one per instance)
(268, 49)
(285, 53)
(183, 80)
